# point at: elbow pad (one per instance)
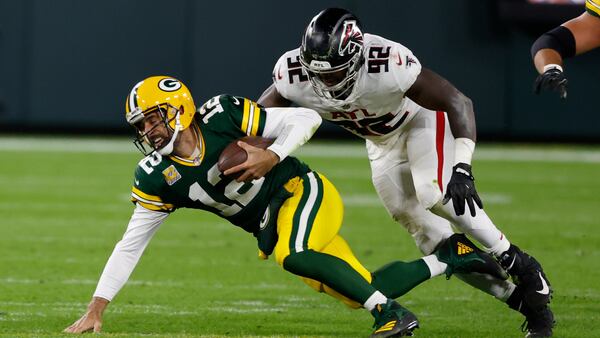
(560, 39)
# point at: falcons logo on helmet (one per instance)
(352, 38)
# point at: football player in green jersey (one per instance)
(573, 37)
(294, 212)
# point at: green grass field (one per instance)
(64, 203)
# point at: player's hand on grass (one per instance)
(553, 79)
(91, 321)
(461, 188)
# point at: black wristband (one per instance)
(560, 39)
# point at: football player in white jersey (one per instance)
(420, 136)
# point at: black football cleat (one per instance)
(393, 320)
(463, 256)
(528, 274)
(538, 323)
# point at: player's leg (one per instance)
(430, 150)
(402, 276)
(394, 279)
(307, 223)
(393, 181)
(430, 146)
(398, 278)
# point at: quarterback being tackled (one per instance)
(294, 213)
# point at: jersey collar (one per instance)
(193, 161)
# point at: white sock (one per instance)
(436, 267)
(376, 298)
(500, 246)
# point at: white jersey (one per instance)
(376, 108)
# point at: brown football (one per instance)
(233, 154)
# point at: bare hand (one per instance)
(91, 320)
(258, 164)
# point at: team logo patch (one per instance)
(352, 38)
(171, 175)
(169, 85)
(463, 249)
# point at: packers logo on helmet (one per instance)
(164, 95)
(169, 85)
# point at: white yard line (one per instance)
(372, 200)
(320, 150)
(235, 306)
(26, 281)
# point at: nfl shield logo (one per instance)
(171, 175)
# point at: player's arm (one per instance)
(271, 98)
(120, 265)
(586, 30)
(574, 37)
(432, 91)
(290, 127)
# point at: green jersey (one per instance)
(165, 183)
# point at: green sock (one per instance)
(331, 271)
(397, 278)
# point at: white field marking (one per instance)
(67, 144)
(267, 286)
(250, 310)
(372, 200)
(483, 153)
(519, 153)
(164, 283)
(25, 281)
(249, 302)
(261, 306)
(58, 205)
(361, 200)
(525, 154)
(61, 307)
(58, 239)
(492, 198)
(574, 218)
(255, 306)
(349, 173)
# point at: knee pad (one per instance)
(428, 195)
(426, 240)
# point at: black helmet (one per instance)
(332, 48)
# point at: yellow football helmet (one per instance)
(167, 96)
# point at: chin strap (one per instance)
(168, 149)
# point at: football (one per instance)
(233, 154)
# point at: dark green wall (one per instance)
(67, 65)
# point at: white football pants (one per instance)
(410, 172)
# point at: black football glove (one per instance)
(553, 79)
(460, 188)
